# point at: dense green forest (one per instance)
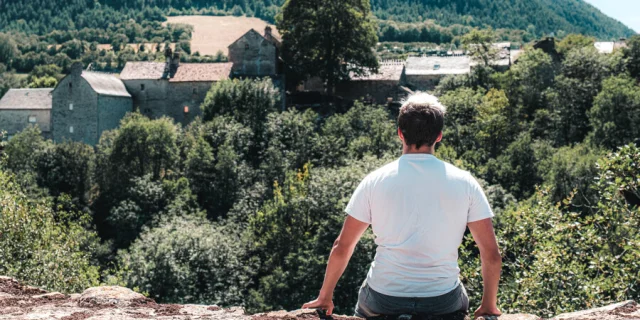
(241, 207)
(540, 16)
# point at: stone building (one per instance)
(20, 108)
(381, 87)
(256, 55)
(172, 88)
(85, 104)
(424, 73)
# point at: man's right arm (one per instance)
(485, 238)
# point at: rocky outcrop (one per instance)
(20, 302)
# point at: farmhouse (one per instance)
(85, 104)
(171, 89)
(20, 108)
(256, 55)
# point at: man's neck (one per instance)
(422, 150)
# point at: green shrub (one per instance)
(38, 247)
(187, 259)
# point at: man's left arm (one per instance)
(341, 252)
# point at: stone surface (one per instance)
(623, 310)
(20, 302)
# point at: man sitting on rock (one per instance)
(418, 207)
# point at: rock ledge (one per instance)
(20, 302)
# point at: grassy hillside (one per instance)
(539, 17)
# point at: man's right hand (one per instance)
(487, 311)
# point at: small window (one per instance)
(70, 85)
(195, 91)
(70, 106)
(71, 129)
(186, 109)
(246, 46)
(436, 67)
(33, 119)
(142, 87)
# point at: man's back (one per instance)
(418, 207)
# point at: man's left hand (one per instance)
(320, 303)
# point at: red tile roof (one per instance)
(194, 72)
(187, 72)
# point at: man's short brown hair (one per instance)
(421, 120)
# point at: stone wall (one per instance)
(152, 101)
(253, 55)
(14, 121)
(423, 82)
(82, 117)
(110, 111)
(377, 91)
(163, 98)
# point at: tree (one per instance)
(479, 44)
(632, 54)
(492, 121)
(248, 102)
(330, 39)
(67, 168)
(574, 41)
(188, 259)
(41, 248)
(615, 116)
(8, 49)
(217, 163)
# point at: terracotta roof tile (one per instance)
(187, 72)
(194, 72)
(142, 71)
(34, 99)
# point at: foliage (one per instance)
(187, 259)
(616, 112)
(67, 168)
(574, 41)
(632, 54)
(39, 248)
(330, 39)
(479, 45)
(216, 163)
(292, 234)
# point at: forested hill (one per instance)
(539, 17)
(546, 16)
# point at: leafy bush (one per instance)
(38, 247)
(187, 259)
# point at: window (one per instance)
(436, 67)
(33, 119)
(142, 87)
(70, 85)
(71, 129)
(70, 106)
(195, 91)
(186, 109)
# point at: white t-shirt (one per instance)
(418, 207)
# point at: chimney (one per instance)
(267, 32)
(175, 62)
(76, 68)
(168, 53)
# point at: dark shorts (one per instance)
(372, 303)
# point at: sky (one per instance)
(625, 11)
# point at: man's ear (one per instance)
(400, 135)
(439, 137)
